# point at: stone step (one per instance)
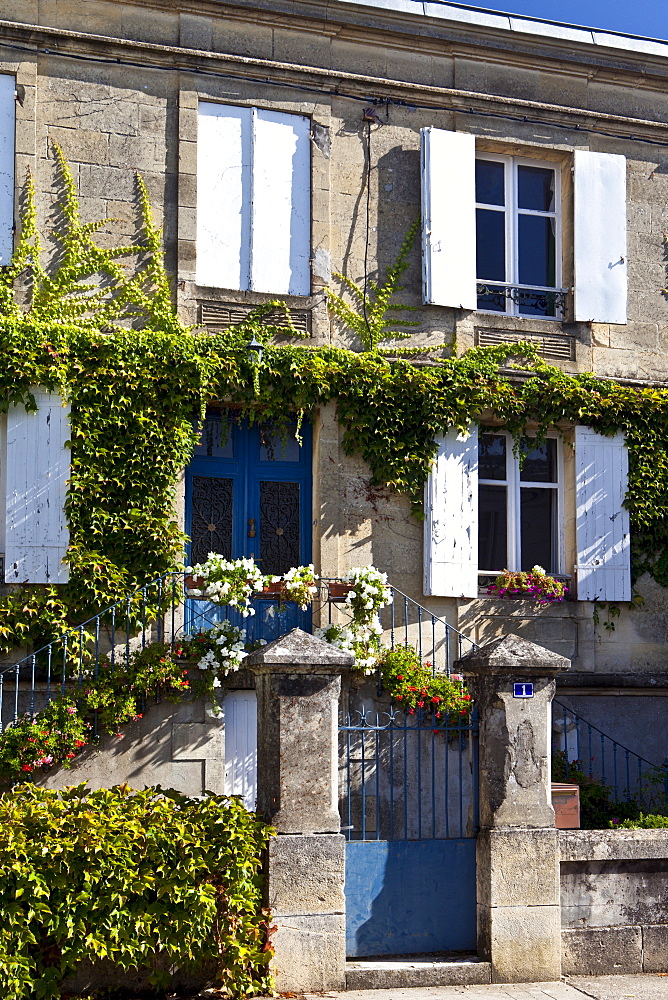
(416, 970)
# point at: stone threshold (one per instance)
(417, 970)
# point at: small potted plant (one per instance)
(230, 582)
(536, 585)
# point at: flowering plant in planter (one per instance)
(55, 736)
(300, 585)
(367, 593)
(221, 650)
(414, 687)
(536, 585)
(228, 581)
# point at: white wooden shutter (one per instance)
(281, 217)
(451, 518)
(7, 130)
(253, 200)
(602, 523)
(599, 236)
(448, 218)
(37, 470)
(223, 196)
(241, 746)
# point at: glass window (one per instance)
(518, 237)
(518, 504)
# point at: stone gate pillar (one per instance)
(298, 681)
(519, 923)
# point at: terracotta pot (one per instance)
(194, 583)
(275, 589)
(338, 590)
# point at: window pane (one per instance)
(491, 245)
(492, 456)
(211, 526)
(537, 530)
(535, 188)
(492, 528)
(536, 250)
(489, 182)
(540, 463)
(279, 527)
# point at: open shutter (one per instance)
(602, 523)
(7, 130)
(448, 218)
(451, 518)
(599, 237)
(281, 194)
(37, 470)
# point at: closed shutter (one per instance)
(602, 523)
(281, 218)
(448, 218)
(599, 236)
(223, 196)
(37, 470)
(7, 130)
(253, 200)
(241, 746)
(451, 518)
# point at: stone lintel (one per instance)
(511, 654)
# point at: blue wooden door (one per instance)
(248, 493)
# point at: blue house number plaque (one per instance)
(521, 689)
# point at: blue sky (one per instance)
(635, 17)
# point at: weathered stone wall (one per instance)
(113, 118)
(614, 901)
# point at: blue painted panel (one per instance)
(410, 897)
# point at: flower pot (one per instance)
(278, 589)
(338, 590)
(194, 583)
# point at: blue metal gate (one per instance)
(408, 801)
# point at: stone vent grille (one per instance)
(560, 347)
(221, 315)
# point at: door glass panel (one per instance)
(492, 456)
(211, 523)
(279, 527)
(492, 531)
(215, 440)
(277, 448)
(537, 531)
(540, 463)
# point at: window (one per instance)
(519, 508)
(491, 231)
(518, 243)
(253, 200)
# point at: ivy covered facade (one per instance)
(281, 156)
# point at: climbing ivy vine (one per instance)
(98, 326)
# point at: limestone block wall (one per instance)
(614, 901)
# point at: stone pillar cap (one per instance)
(512, 654)
(299, 649)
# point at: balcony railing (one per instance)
(161, 611)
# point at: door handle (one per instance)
(251, 527)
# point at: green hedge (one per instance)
(129, 876)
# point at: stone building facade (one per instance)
(135, 86)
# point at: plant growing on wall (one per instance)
(137, 393)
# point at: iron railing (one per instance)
(407, 777)
(161, 611)
(628, 776)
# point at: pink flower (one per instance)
(71, 711)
